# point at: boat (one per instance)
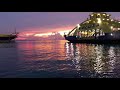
(8, 37)
(98, 28)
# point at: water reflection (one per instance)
(7, 45)
(100, 59)
(58, 59)
(42, 50)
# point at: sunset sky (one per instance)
(29, 23)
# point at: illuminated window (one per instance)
(78, 25)
(111, 19)
(98, 14)
(99, 20)
(92, 15)
(111, 27)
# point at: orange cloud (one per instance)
(39, 32)
(44, 34)
(47, 29)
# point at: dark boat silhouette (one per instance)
(99, 28)
(8, 37)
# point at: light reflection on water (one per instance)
(100, 60)
(59, 59)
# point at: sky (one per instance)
(42, 22)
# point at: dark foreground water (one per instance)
(58, 59)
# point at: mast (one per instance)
(15, 31)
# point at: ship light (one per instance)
(111, 19)
(111, 27)
(107, 14)
(87, 21)
(99, 20)
(118, 22)
(92, 15)
(103, 14)
(89, 30)
(78, 25)
(98, 14)
(103, 19)
(111, 34)
(107, 19)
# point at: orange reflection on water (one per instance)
(55, 48)
(43, 50)
(26, 46)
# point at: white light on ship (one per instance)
(87, 21)
(103, 19)
(78, 25)
(98, 14)
(107, 14)
(118, 28)
(118, 22)
(111, 34)
(107, 19)
(92, 15)
(99, 20)
(111, 27)
(111, 19)
(103, 14)
(97, 30)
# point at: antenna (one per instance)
(15, 30)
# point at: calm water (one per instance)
(58, 59)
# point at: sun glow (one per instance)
(43, 34)
(64, 32)
(30, 33)
(48, 34)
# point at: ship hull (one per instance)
(94, 41)
(8, 38)
(109, 38)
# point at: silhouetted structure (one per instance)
(99, 28)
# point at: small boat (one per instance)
(99, 28)
(8, 37)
